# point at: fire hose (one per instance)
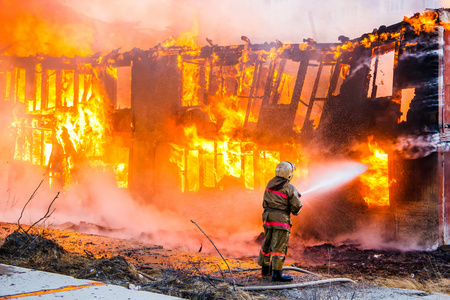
(292, 285)
(277, 287)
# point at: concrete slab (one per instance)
(16, 282)
(28, 284)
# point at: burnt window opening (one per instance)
(37, 103)
(281, 81)
(50, 80)
(275, 81)
(343, 73)
(322, 80)
(192, 85)
(5, 85)
(33, 143)
(120, 156)
(67, 88)
(407, 96)
(223, 164)
(382, 72)
(287, 83)
(19, 85)
(84, 87)
(245, 79)
(123, 87)
(252, 87)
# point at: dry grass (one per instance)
(186, 275)
(440, 285)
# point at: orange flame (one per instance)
(30, 28)
(81, 132)
(226, 158)
(425, 22)
(375, 179)
(78, 131)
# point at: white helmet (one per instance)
(285, 169)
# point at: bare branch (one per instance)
(229, 269)
(23, 209)
(47, 214)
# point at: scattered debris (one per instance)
(22, 245)
(145, 267)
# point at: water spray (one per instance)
(332, 176)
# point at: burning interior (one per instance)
(185, 127)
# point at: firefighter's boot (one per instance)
(278, 276)
(265, 270)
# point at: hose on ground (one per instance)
(299, 270)
(287, 268)
(293, 285)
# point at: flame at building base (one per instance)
(211, 164)
(231, 217)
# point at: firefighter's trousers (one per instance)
(274, 246)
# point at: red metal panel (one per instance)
(444, 156)
(446, 201)
(444, 195)
(445, 106)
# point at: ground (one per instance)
(200, 276)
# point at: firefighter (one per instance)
(281, 199)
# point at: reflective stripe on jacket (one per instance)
(280, 200)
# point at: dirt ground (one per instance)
(153, 268)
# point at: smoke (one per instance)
(332, 210)
(371, 233)
(261, 21)
(61, 27)
(418, 146)
(230, 217)
(95, 205)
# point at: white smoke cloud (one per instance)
(417, 146)
(260, 20)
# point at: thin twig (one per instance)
(206, 278)
(89, 254)
(229, 269)
(220, 270)
(23, 209)
(147, 276)
(47, 214)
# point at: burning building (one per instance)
(201, 121)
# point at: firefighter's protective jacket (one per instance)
(280, 200)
